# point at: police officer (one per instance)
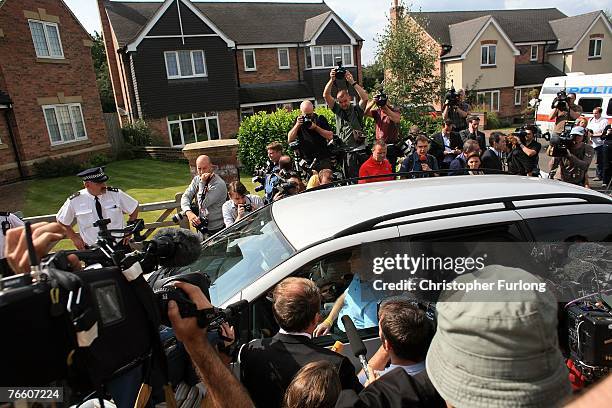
(7, 221)
(95, 202)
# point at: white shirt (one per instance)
(230, 211)
(446, 139)
(13, 221)
(82, 206)
(597, 126)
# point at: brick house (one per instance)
(49, 102)
(504, 54)
(193, 70)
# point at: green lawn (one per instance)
(144, 179)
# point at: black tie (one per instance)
(98, 208)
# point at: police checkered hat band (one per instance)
(95, 174)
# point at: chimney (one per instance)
(395, 11)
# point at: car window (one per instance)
(570, 228)
(241, 254)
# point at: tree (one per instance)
(105, 88)
(373, 76)
(409, 59)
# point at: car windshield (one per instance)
(241, 254)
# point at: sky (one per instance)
(369, 17)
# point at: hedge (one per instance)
(261, 129)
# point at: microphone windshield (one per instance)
(177, 247)
(359, 349)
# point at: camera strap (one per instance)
(203, 196)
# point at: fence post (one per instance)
(184, 223)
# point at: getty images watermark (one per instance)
(422, 266)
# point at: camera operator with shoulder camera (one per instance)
(349, 117)
(387, 119)
(240, 204)
(575, 159)
(456, 109)
(528, 150)
(210, 192)
(564, 109)
(312, 133)
(223, 389)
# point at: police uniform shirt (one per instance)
(8, 221)
(82, 206)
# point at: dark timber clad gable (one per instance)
(332, 34)
(193, 24)
(160, 96)
(168, 24)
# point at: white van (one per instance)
(591, 91)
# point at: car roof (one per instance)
(314, 216)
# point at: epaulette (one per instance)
(115, 189)
(78, 193)
(4, 214)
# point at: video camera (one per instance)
(302, 167)
(89, 326)
(452, 97)
(560, 143)
(561, 101)
(202, 227)
(260, 174)
(381, 98)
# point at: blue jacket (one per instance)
(458, 166)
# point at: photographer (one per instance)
(456, 109)
(387, 119)
(292, 186)
(349, 117)
(420, 160)
(7, 221)
(576, 161)
(564, 109)
(312, 132)
(210, 193)
(525, 152)
(240, 204)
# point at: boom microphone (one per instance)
(359, 349)
(175, 247)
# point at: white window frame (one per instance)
(492, 93)
(74, 129)
(342, 49)
(45, 24)
(244, 52)
(595, 55)
(246, 111)
(531, 56)
(288, 66)
(178, 65)
(518, 92)
(207, 116)
(488, 48)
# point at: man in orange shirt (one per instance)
(376, 164)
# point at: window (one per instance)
(568, 228)
(185, 64)
(595, 48)
(609, 110)
(193, 127)
(588, 104)
(489, 100)
(308, 57)
(487, 55)
(328, 56)
(283, 58)
(65, 123)
(534, 53)
(517, 96)
(46, 38)
(249, 60)
(245, 113)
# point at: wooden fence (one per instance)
(169, 207)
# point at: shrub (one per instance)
(62, 166)
(137, 133)
(98, 160)
(493, 121)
